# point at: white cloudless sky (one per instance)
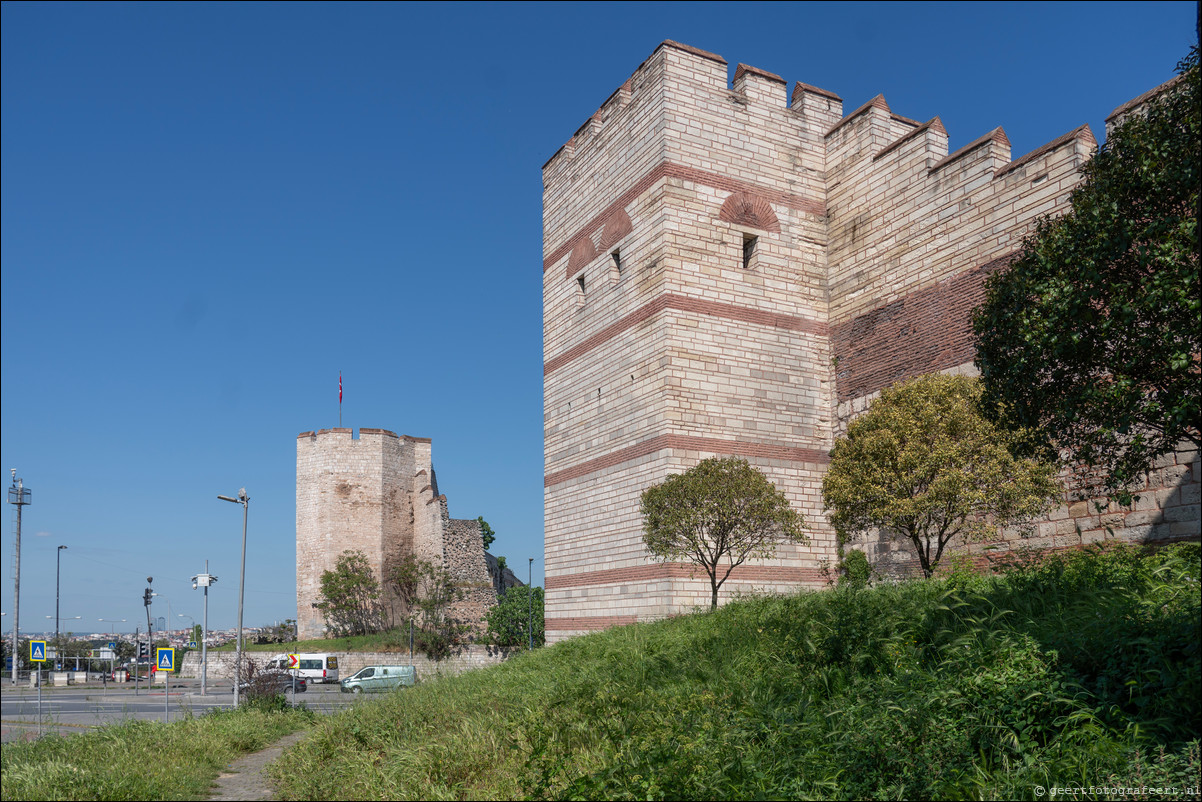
(209, 210)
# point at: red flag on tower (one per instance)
(340, 387)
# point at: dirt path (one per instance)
(245, 778)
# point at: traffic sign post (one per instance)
(37, 654)
(165, 663)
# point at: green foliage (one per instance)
(509, 620)
(140, 759)
(924, 464)
(486, 532)
(427, 592)
(918, 690)
(717, 515)
(1092, 336)
(405, 580)
(350, 596)
(856, 570)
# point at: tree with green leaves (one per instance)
(924, 464)
(717, 515)
(350, 596)
(509, 621)
(1091, 337)
(486, 532)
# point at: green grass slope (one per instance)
(1081, 670)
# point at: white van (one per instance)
(313, 667)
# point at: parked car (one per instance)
(371, 679)
(274, 682)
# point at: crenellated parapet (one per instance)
(734, 268)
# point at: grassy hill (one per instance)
(1081, 670)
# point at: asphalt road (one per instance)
(77, 708)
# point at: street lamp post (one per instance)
(58, 571)
(530, 601)
(244, 500)
(204, 580)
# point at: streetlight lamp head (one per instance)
(149, 580)
(242, 494)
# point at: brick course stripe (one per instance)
(684, 303)
(926, 331)
(659, 571)
(568, 624)
(669, 170)
(688, 443)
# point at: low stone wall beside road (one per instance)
(221, 664)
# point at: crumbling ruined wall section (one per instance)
(464, 557)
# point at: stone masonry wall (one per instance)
(467, 658)
(696, 346)
(731, 270)
(377, 493)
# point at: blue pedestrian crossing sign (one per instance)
(37, 651)
(166, 660)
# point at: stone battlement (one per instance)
(731, 268)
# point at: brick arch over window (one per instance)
(617, 226)
(749, 210)
(582, 254)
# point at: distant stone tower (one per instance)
(733, 269)
(377, 493)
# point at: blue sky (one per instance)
(210, 210)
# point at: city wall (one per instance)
(733, 269)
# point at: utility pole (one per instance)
(19, 495)
(244, 500)
(58, 573)
(147, 598)
(203, 581)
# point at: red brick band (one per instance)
(685, 303)
(650, 573)
(569, 624)
(926, 331)
(680, 171)
(688, 443)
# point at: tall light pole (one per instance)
(530, 600)
(204, 580)
(58, 572)
(19, 495)
(244, 500)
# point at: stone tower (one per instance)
(377, 493)
(733, 269)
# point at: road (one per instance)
(77, 708)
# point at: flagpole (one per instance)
(340, 399)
